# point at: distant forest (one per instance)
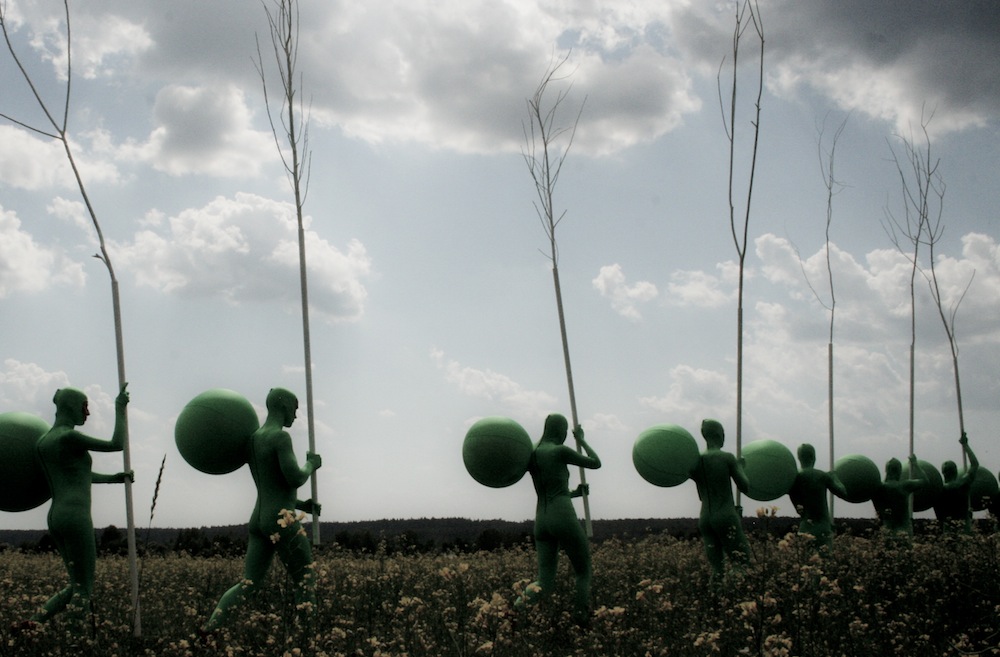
(415, 535)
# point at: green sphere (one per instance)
(213, 430)
(496, 451)
(22, 481)
(925, 498)
(984, 487)
(771, 469)
(860, 476)
(665, 454)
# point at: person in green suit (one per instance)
(274, 527)
(719, 523)
(808, 494)
(953, 507)
(892, 500)
(556, 522)
(64, 454)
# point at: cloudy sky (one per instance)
(432, 299)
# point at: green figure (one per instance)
(808, 494)
(953, 508)
(64, 454)
(720, 523)
(556, 523)
(892, 500)
(274, 527)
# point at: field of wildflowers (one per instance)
(653, 596)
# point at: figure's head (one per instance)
(71, 403)
(283, 404)
(893, 469)
(949, 471)
(713, 433)
(556, 428)
(807, 455)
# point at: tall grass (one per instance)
(938, 596)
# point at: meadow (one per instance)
(653, 596)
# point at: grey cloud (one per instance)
(948, 50)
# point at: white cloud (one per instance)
(31, 162)
(889, 62)
(101, 43)
(693, 393)
(246, 248)
(605, 423)
(28, 267)
(403, 84)
(203, 130)
(701, 289)
(496, 387)
(29, 388)
(786, 336)
(610, 282)
(73, 212)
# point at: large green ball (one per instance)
(22, 481)
(213, 430)
(496, 451)
(984, 487)
(771, 469)
(860, 476)
(665, 454)
(925, 498)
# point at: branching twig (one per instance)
(919, 182)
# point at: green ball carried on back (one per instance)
(665, 454)
(771, 469)
(214, 429)
(496, 451)
(924, 498)
(22, 481)
(860, 476)
(983, 488)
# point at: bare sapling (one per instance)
(291, 137)
(56, 126)
(747, 16)
(546, 145)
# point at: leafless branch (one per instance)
(541, 155)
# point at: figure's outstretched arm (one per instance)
(309, 506)
(973, 461)
(119, 478)
(294, 475)
(836, 486)
(739, 475)
(117, 442)
(589, 459)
